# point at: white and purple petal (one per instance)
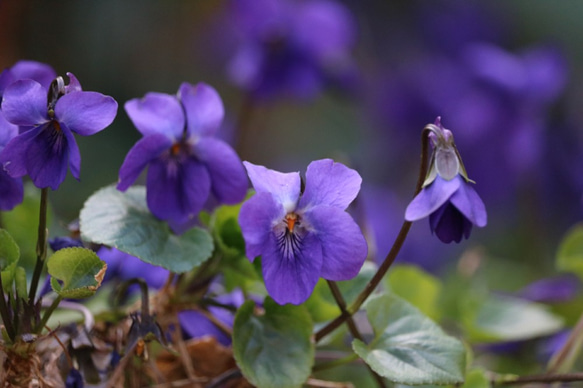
(177, 191)
(330, 184)
(291, 279)
(285, 187)
(25, 103)
(431, 197)
(143, 152)
(86, 113)
(344, 247)
(469, 203)
(228, 179)
(157, 113)
(203, 106)
(257, 218)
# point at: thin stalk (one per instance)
(352, 326)
(41, 245)
(48, 314)
(565, 356)
(546, 378)
(334, 363)
(391, 256)
(5, 313)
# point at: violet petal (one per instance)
(86, 113)
(430, 198)
(157, 113)
(285, 187)
(256, 218)
(203, 106)
(25, 103)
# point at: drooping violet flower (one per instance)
(291, 47)
(302, 237)
(47, 147)
(186, 162)
(447, 197)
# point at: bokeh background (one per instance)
(504, 75)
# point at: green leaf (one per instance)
(409, 348)
(274, 349)
(123, 221)
(570, 253)
(417, 287)
(9, 255)
(510, 319)
(75, 272)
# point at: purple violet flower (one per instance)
(291, 47)
(302, 237)
(186, 162)
(47, 148)
(447, 197)
(37, 71)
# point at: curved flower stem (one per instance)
(391, 256)
(546, 378)
(41, 245)
(352, 326)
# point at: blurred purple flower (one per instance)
(186, 162)
(552, 290)
(303, 237)
(123, 266)
(291, 47)
(48, 148)
(195, 324)
(447, 197)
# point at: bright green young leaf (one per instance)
(570, 254)
(417, 287)
(75, 272)
(123, 221)
(510, 319)
(9, 255)
(274, 349)
(22, 223)
(409, 348)
(476, 378)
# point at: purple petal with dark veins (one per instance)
(203, 107)
(330, 184)
(86, 113)
(257, 218)
(157, 113)
(292, 279)
(176, 190)
(143, 152)
(344, 247)
(228, 179)
(430, 198)
(25, 103)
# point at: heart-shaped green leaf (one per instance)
(274, 349)
(75, 272)
(123, 221)
(409, 348)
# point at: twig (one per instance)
(328, 384)
(496, 379)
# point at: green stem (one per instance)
(6, 314)
(334, 363)
(391, 256)
(352, 326)
(41, 245)
(47, 314)
(546, 378)
(564, 357)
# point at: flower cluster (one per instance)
(186, 162)
(303, 236)
(447, 197)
